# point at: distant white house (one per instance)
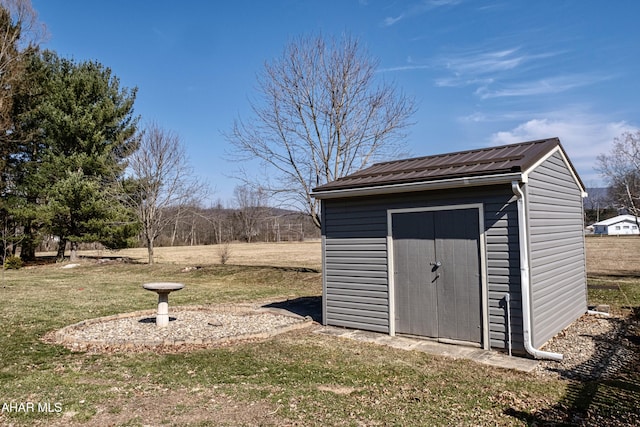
(621, 224)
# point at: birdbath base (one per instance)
(163, 289)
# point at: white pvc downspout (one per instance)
(524, 278)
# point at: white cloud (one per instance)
(483, 117)
(403, 68)
(485, 62)
(540, 87)
(418, 9)
(445, 2)
(481, 67)
(389, 21)
(457, 82)
(476, 117)
(411, 64)
(583, 137)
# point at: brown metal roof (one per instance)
(504, 159)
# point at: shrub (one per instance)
(224, 251)
(12, 263)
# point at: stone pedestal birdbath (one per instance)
(163, 289)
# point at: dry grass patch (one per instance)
(285, 254)
(614, 272)
(613, 256)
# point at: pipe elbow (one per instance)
(515, 188)
(539, 354)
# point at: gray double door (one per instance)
(437, 274)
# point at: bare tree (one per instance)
(598, 205)
(251, 209)
(188, 225)
(321, 114)
(163, 180)
(621, 169)
(218, 218)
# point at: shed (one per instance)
(482, 247)
(618, 225)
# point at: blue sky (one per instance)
(482, 72)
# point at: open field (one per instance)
(297, 254)
(605, 255)
(614, 272)
(291, 379)
(615, 256)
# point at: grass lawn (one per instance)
(292, 379)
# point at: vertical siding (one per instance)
(356, 257)
(557, 253)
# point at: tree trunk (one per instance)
(217, 231)
(74, 252)
(62, 244)
(28, 244)
(175, 231)
(150, 250)
(193, 232)
(317, 221)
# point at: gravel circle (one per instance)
(594, 347)
(188, 327)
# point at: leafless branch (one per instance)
(621, 168)
(163, 180)
(321, 115)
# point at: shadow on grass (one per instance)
(272, 267)
(46, 260)
(631, 274)
(303, 306)
(605, 390)
(40, 260)
(103, 259)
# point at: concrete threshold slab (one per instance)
(491, 358)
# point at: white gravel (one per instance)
(594, 347)
(187, 326)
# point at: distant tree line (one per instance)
(219, 224)
(599, 205)
(196, 225)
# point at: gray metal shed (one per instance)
(482, 247)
